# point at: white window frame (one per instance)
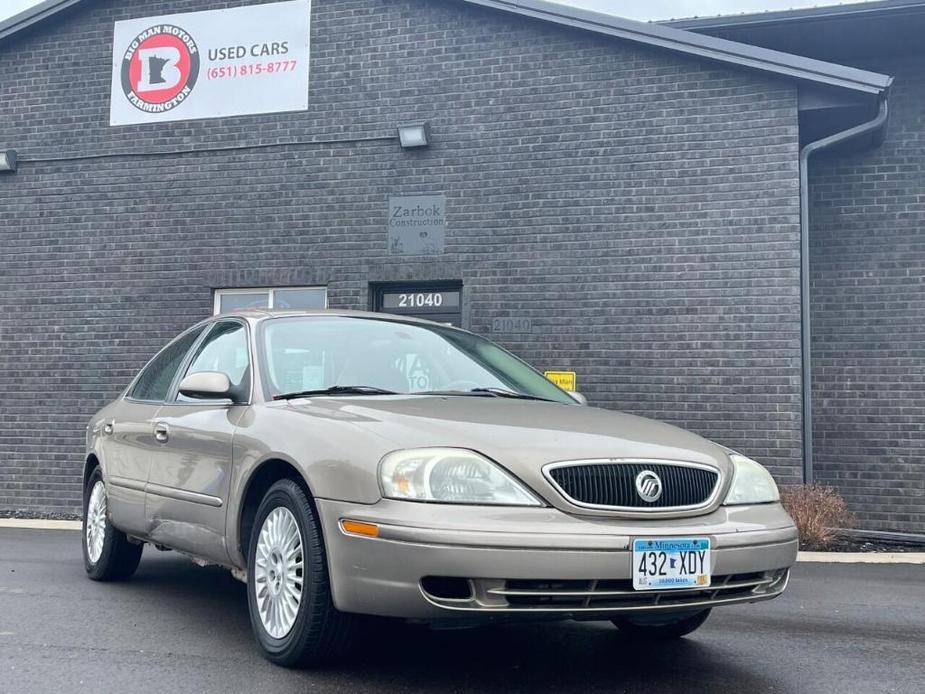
(271, 291)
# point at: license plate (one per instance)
(667, 563)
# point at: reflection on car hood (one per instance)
(522, 435)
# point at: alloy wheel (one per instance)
(278, 572)
(96, 522)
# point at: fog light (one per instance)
(357, 528)
(447, 587)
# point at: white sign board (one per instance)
(211, 64)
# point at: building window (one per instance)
(276, 297)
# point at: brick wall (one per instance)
(868, 276)
(640, 207)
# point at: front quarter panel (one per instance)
(336, 458)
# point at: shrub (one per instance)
(818, 512)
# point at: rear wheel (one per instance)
(108, 553)
(662, 627)
(288, 587)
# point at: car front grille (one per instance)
(612, 484)
(591, 596)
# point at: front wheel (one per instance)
(108, 553)
(661, 627)
(288, 587)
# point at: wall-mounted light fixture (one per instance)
(413, 135)
(8, 160)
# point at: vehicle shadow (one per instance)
(563, 656)
(390, 655)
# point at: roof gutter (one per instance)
(875, 124)
(809, 14)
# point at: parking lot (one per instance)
(180, 628)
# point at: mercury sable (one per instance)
(347, 464)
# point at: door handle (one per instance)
(161, 432)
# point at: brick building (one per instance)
(867, 260)
(617, 199)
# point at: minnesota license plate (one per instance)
(666, 563)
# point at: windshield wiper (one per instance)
(336, 390)
(486, 392)
(504, 393)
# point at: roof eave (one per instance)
(656, 35)
(700, 45)
(808, 14)
(31, 16)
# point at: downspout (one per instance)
(879, 121)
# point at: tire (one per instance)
(656, 629)
(310, 632)
(108, 554)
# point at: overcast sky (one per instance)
(10, 7)
(649, 9)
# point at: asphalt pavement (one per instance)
(180, 628)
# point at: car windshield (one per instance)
(340, 353)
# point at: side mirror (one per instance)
(578, 397)
(207, 385)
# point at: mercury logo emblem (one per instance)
(648, 486)
(160, 68)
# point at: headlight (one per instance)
(450, 476)
(751, 483)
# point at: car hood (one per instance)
(521, 435)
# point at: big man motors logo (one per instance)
(160, 68)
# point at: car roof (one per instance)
(261, 314)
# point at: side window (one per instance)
(154, 382)
(224, 350)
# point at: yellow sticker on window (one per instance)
(564, 379)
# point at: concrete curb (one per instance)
(31, 524)
(862, 557)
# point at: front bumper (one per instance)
(540, 561)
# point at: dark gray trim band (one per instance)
(166, 492)
(126, 483)
(183, 495)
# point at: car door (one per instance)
(189, 481)
(127, 443)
